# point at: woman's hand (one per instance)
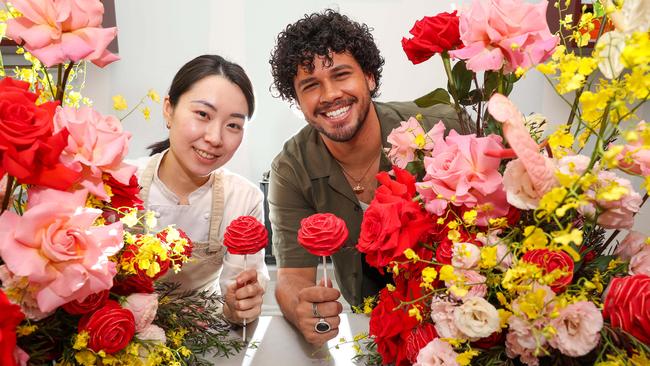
(243, 298)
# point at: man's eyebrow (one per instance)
(332, 70)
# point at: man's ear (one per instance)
(372, 84)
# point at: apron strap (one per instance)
(147, 176)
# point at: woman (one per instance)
(209, 102)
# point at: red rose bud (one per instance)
(420, 337)
(432, 35)
(110, 328)
(245, 235)
(625, 305)
(322, 234)
(550, 260)
(88, 305)
(137, 283)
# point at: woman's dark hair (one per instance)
(319, 34)
(199, 68)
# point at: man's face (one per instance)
(334, 99)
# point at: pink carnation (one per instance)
(465, 255)
(475, 282)
(405, 140)
(631, 245)
(57, 31)
(143, 307)
(640, 263)
(442, 315)
(437, 353)
(460, 172)
(97, 144)
(578, 329)
(614, 214)
(55, 245)
(504, 33)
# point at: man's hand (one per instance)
(243, 298)
(312, 302)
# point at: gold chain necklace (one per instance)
(358, 188)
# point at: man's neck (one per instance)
(363, 147)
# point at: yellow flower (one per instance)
(390, 287)
(420, 141)
(150, 221)
(447, 273)
(547, 68)
(488, 257)
(560, 141)
(153, 95)
(453, 235)
(25, 330)
(119, 103)
(465, 358)
(504, 315)
(414, 312)
(146, 113)
(81, 340)
(85, 358)
(410, 254)
(458, 291)
(429, 274)
(470, 217)
(535, 238)
(130, 219)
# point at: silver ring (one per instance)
(322, 326)
(314, 310)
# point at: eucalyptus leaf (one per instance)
(462, 78)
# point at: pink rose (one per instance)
(460, 172)
(97, 144)
(55, 245)
(405, 140)
(442, 315)
(640, 263)
(504, 33)
(634, 157)
(21, 357)
(632, 244)
(578, 329)
(465, 255)
(472, 279)
(143, 307)
(617, 213)
(437, 353)
(57, 31)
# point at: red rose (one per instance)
(432, 35)
(245, 235)
(28, 149)
(322, 233)
(138, 283)
(88, 305)
(125, 195)
(625, 305)
(110, 328)
(391, 328)
(403, 186)
(444, 252)
(187, 249)
(490, 341)
(11, 317)
(419, 338)
(550, 260)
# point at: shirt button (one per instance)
(157, 214)
(206, 216)
(357, 208)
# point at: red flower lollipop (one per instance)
(245, 235)
(322, 234)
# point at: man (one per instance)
(330, 67)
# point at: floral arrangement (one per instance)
(495, 236)
(79, 261)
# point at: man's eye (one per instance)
(308, 86)
(342, 75)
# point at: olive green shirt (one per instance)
(306, 179)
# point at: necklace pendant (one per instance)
(358, 189)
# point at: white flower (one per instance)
(476, 318)
(609, 48)
(143, 307)
(634, 16)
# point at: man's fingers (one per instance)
(247, 276)
(319, 294)
(322, 282)
(248, 291)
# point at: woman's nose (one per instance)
(213, 134)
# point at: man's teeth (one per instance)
(338, 112)
(204, 154)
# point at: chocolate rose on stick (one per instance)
(245, 235)
(322, 234)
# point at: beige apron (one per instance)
(202, 272)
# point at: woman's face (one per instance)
(206, 125)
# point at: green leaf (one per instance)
(462, 79)
(601, 262)
(416, 167)
(473, 97)
(490, 83)
(438, 96)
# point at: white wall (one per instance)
(157, 36)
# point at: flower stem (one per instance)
(8, 193)
(446, 61)
(60, 92)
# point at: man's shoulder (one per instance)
(395, 112)
(295, 148)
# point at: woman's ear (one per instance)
(168, 111)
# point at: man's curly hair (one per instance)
(318, 34)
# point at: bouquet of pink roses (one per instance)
(78, 258)
(496, 240)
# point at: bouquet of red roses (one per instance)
(78, 258)
(496, 240)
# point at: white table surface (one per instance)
(279, 343)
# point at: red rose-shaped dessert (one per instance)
(550, 260)
(420, 336)
(432, 35)
(245, 235)
(627, 305)
(89, 304)
(322, 234)
(110, 328)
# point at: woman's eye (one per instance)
(202, 114)
(235, 126)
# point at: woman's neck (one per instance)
(177, 179)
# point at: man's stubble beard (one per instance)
(348, 133)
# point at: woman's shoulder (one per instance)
(140, 163)
(236, 182)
